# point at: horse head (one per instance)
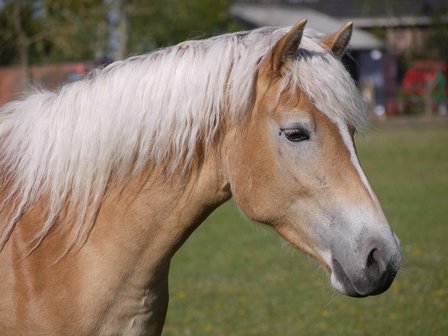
(293, 164)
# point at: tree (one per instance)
(51, 30)
(435, 43)
(78, 29)
(17, 34)
(43, 31)
(158, 23)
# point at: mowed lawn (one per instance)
(234, 277)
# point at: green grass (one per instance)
(234, 277)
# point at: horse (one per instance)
(103, 180)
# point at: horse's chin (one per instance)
(345, 287)
(342, 283)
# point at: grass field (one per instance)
(234, 277)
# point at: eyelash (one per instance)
(295, 134)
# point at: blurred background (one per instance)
(233, 277)
(398, 55)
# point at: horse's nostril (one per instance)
(372, 273)
(374, 265)
(371, 257)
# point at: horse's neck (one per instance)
(158, 215)
(148, 227)
(124, 263)
(151, 223)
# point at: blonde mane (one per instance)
(69, 145)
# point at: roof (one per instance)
(376, 8)
(274, 15)
(383, 13)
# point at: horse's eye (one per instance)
(296, 134)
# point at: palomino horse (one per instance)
(104, 180)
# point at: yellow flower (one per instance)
(416, 252)
(440, 292)
(207, 327)
(181, 295)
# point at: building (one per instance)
(51, 77)
(384, 31)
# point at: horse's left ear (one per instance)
(337, 43)
(286, 48)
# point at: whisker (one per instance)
(336, 296)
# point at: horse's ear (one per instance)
(286, 48)
(337, 43)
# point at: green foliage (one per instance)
(235, 278)
(9, 38)
(77, 29)
(71, 30)
(160, 23)
(54, 30)
(435, 44)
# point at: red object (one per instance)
(44, 76)
(416, 77)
